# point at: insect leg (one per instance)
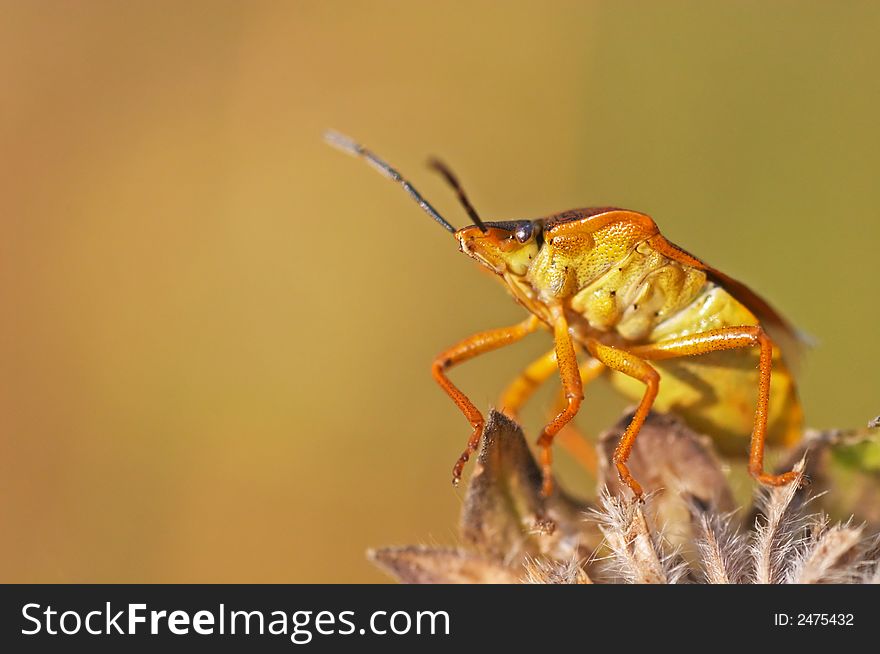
(729, 338)
(570, 437)
(632, 366)
(463, 351)
(521, 389)
(566, 360)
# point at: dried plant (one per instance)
(688, 529)
(638, 553)
(721, 548)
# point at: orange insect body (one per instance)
(624, 284)
(673, 332)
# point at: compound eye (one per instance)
(524, 232)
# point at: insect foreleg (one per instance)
(729, 338)
(632, 366)
(523, 387)
(468, 349)
(570, 437)
(566, 360)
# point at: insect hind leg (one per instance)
(729, 338)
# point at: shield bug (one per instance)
(671, 331)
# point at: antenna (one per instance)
(347, 145)
(452, 180)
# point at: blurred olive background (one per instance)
(217, 331)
